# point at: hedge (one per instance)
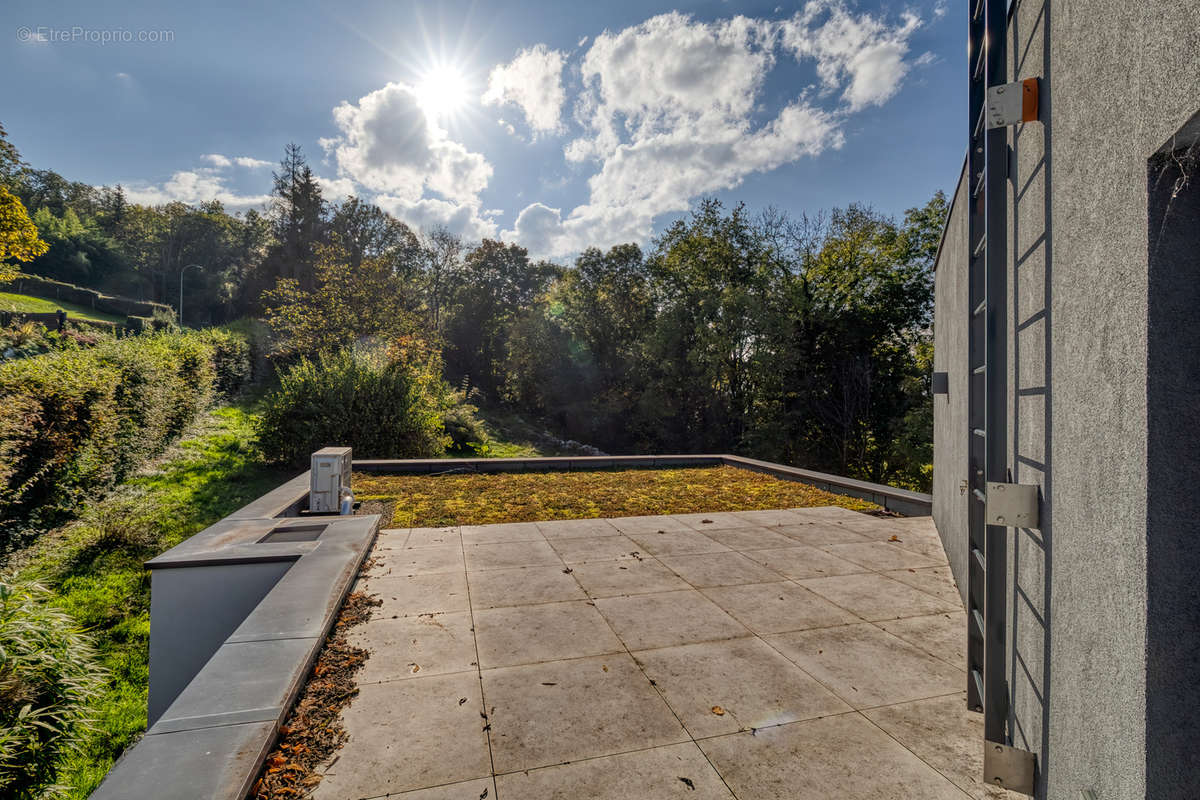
(77, 421)
(81, 296)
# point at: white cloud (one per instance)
(533, 82)
(251, 163)
(862, 53)
(465, 219)
(389, 145)
(336, 189)
(224, 162)
(194, 186)
(671, 110)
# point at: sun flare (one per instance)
(442, 91)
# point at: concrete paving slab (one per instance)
(712, 521)
(650, 524)
(613, 578)
(929, 549)
(821, 533)
(751, 538)
(523, 586)
(835, 758)
(866, 666)
(668, 618)
(419, 561)
(466, 790)
(767, 608)
(544, 714)
(946, 736)
(881, 555)
(772, 517)
(407, 735)
(867, 525)
(875, 597)
(740, 684)
(570, 528)
(802, 561)
(545, 632)
(506, 555)
(504, 532)
(581, 550)
(673, 772)
(937, 581)
(719, 569)
(941, 635)
(409, 595)
(428, 537)
(391, 539)
(418, 645)
(661, 543)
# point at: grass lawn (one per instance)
(40, 305)
(482, 498)
(94, 565)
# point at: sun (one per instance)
(442, 91)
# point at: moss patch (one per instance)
(484, 498)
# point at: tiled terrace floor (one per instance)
(812, 653)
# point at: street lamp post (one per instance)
(181, 273)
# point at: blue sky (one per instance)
(555, 124)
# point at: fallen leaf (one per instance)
(894, 538)
(720, 712)
(604, 667)
(415, 668)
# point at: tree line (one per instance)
(804, 340)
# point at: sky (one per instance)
(557, 125)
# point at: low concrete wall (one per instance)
(238, 614)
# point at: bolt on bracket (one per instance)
(1013, 505)
(1012, 103)
(1009, 767)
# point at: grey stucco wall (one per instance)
(1123, 80)
(950, 410)
(1104, 617)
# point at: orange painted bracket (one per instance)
(1029, 99)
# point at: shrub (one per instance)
(466, 432)
(382, 408)
(48, 679)
(79, 420)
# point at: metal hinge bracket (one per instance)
(1013, 505)
(1012, 103)
(1008, 767)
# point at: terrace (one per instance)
(796, 652)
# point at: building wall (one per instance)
(950, 410)
(1118, 81)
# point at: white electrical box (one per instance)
(330, 480)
